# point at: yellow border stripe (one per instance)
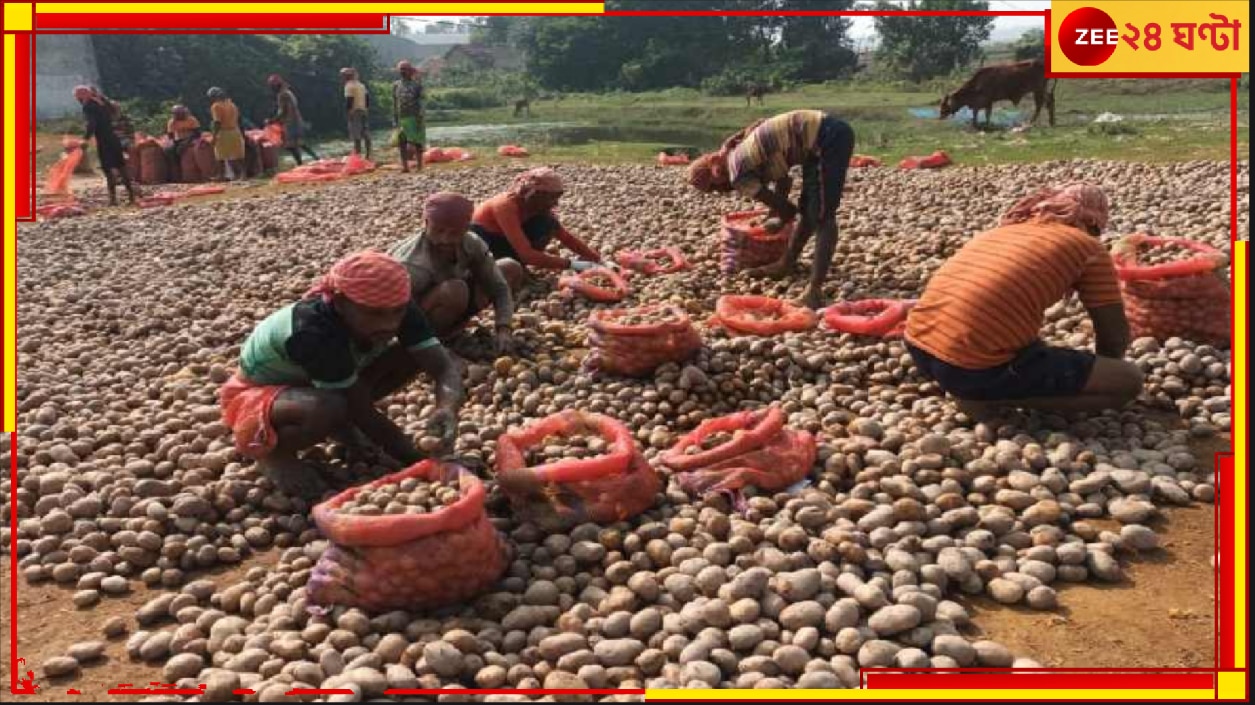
(1238, 492)
(17, 16)
(10, 236)
(388, 8)
(925, 695)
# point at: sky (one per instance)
(1005, 28)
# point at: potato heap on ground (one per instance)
(129, 321)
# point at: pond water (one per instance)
(542, 134)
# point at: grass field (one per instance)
(1165, 120)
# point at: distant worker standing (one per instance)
(228, 140)
(407, 114)
(760, 156)
(356, 108)
(108, 146)
(288, 115)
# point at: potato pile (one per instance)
(129, 321)
(559, 447)
(410, 496)
(646, 317)
(710, 442)
(1164, 254)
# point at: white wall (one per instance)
(62, 62)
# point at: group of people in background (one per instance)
(113, 132)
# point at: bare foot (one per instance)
(775, 270)
(812, 299)
(295, 478)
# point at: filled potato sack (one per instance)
(1174, 287)
(402, 542)
(636, 341)
(582, 467)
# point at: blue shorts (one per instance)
(1037, 371)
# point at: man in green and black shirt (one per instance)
(315, 368)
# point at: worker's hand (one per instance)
(579, 265)
(443, 425)
(786, 214)
(519, 483)
(503, 344)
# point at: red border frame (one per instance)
(1223, 461)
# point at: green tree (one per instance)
(820, 47)
(152, 72)
(926, 47)
(1031, 45)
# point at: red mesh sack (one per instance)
(269, 156)
(206, 161)
(512, 150)
(761, 315)
(357, 164)
(1188, 298)
(935, 160)
(662, 260)
(152, 162)
(761, 452)
(746, 244)
(205, 190)
(860, 161)
(665, 159)
(636, 349)
(59, 174)
(881, 318)
(189, 167)
(612, 487)
(599, 284)
(408, 561)
(63, 210)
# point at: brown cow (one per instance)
(754, 90)
(1003, 82)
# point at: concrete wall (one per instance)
(62, 62)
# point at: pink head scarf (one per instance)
(1080, 205)
(447, 209)
(366, 278)
(542, 179)
(704, 171)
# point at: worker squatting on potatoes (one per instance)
(519, 224)
(453, 275)
(315, 369)
(975, 330)
(759, 157)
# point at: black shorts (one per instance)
(1037, 371)
(539, 230)
(823, 176)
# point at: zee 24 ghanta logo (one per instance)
(1088, 36)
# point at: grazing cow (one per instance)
(524, 104)
(754, 90)
(1003, 82)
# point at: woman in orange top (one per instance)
(520, 224)
(975, 331)
(182, 128)
(228, 139)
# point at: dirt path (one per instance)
(1161, 615)
(48, 623)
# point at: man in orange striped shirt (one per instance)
(975, 329)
